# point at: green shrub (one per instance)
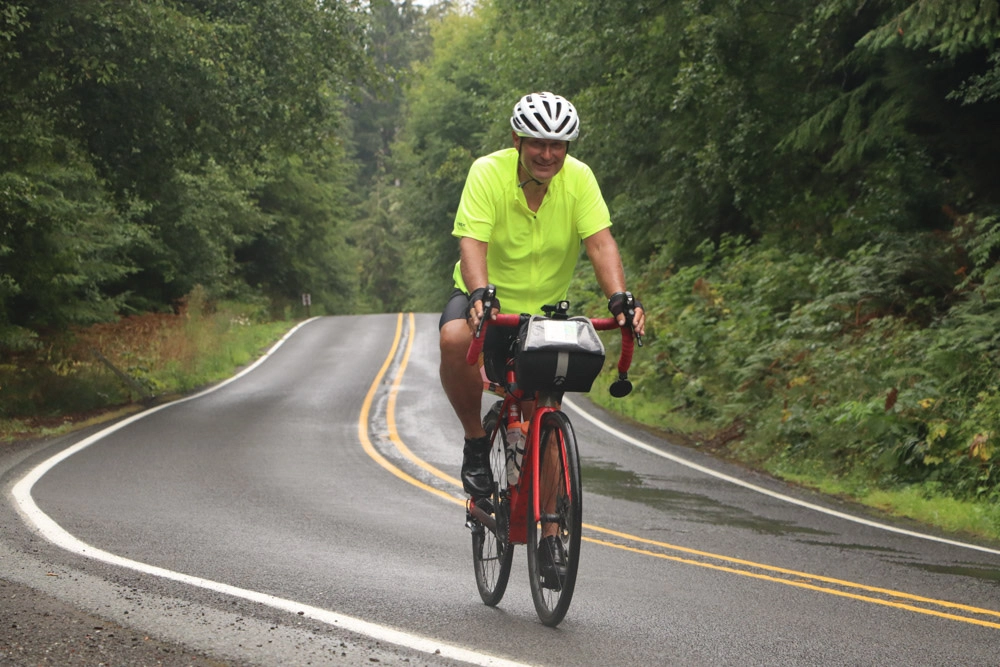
(878, 367)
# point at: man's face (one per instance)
(541, 158)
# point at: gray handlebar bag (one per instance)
(558, 355)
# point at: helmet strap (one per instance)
(520, 166)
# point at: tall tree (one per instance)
(164, 120)
(63, 239)
(450, 110)
(398, 37)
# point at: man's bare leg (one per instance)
(462, 383)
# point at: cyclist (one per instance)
(523, 213)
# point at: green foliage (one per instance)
(448, 115)
(400, 37)
(302, 249)
(90, 369)
(946, 27)
(983, 87)
(61, 242)
(857, 367)
(136, 139)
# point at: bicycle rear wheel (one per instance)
(492, 552)
(554, 542)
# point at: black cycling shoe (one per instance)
(477, 477)
(551, 562)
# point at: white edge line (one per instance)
(54, 533)
(753, 487)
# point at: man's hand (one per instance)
(480, 299)
(623, 303)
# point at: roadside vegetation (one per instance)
(806, 195)
(88, 375)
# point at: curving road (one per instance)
(309, 511)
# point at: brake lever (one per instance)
(488, 296)
(630, 315)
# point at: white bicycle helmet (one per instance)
(545, 116)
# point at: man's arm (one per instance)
(474, 273)
(603, 253)
(607, 261)
(473, 256)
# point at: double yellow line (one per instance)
(652, 548)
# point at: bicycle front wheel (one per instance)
(492, 552)
(554, 541)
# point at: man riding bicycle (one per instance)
(523, 213)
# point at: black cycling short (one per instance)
(457, 307)
(498, 341)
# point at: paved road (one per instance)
(308, 512)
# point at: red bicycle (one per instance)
(536, 498)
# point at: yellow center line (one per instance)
(390, 417)
(781, 570)
(820, 589)
(366, 442)
(801, 580)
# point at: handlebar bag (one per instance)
(558, 355)
(499, 346)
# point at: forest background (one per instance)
(806, 195)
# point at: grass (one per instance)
(950, 515)
(99, 373)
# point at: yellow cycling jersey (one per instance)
(531, 256)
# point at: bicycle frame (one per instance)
(518, 528)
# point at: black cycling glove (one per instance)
(477, 295)
(620, 300)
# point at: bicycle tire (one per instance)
(552, 595)
(492, 552)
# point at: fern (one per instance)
(982, 248)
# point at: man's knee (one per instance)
(454, 339)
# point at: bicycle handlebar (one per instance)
(479, 337)
(628, 341)
(618, 389)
